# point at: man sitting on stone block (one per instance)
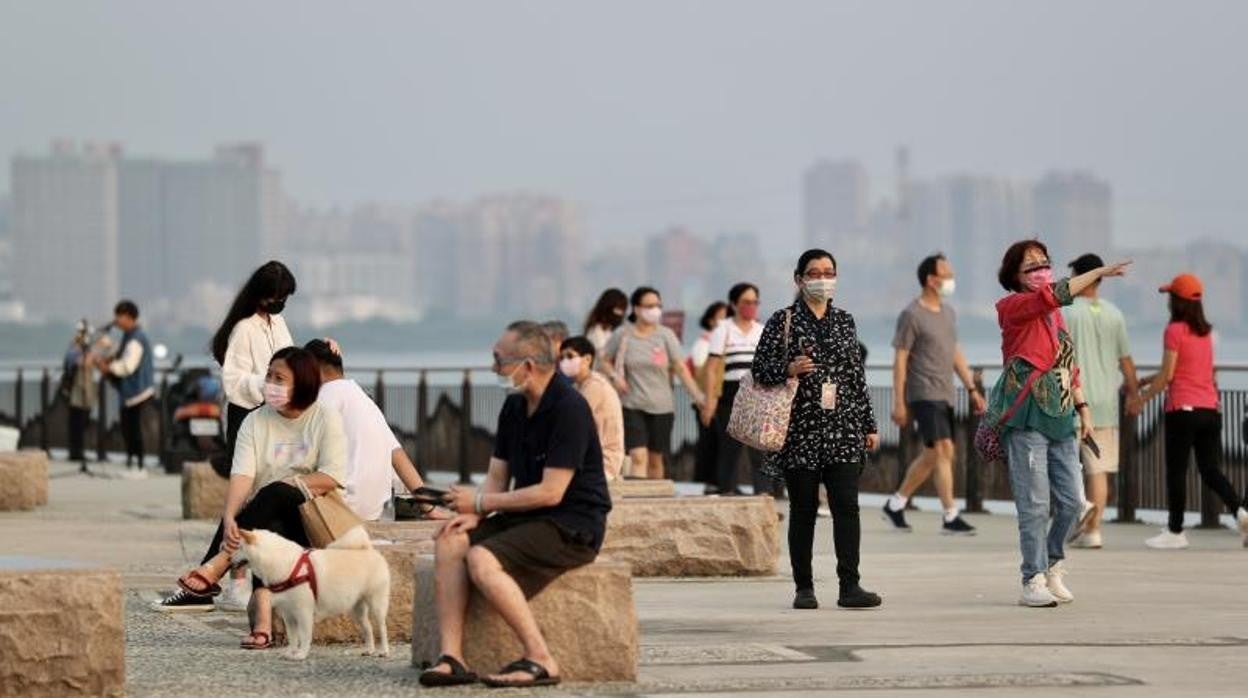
(511, 544)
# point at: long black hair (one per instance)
(604, 314)
(1190, 313)
(638, 294)
(710, 312)
(271, 280)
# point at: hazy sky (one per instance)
(658, 112)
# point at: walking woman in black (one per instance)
(830, 428)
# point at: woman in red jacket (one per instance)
(1193, 422)
(1039, 393)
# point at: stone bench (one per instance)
(695, 536)
(203, 491)
(587, 616)
(61, 629)
(402, 560)
(23, 479)
(407, 533)
(631, 489)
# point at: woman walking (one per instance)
(1038, 396)
(732, 347)
(706, 455)
(640, 359)
(830, 426)
(606, 317)
(1193, 419)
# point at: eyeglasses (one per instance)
(500, 362)
(813, 275)
(747, 303)
(1038, 266)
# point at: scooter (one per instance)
(193, 405)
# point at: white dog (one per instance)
(347, 577)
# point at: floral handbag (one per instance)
(760, 414)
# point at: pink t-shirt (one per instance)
(1193, 385)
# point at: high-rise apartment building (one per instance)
(836, 204)
(1073, 214)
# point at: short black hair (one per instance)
(809, 256)
(1086, 263)
(1012, 262)
(709, 314)
(307, 373)
(928, 267)
(581, 345)
(639, 294)
(127, 308)
(324, 354)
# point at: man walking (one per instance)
(1105, 365)
(133, 372)
(511, 544)
(926, 355)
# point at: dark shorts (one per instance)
(933, 419)
(649, 431)
(534, 552)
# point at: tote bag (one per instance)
(760, 414)
(326, 517)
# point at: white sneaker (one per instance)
(1167, 541)
(1036, 593)
(1091, 539)
(1242, 517)
(235, 597)
(1085, 518)
(1055, 584)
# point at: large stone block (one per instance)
(203, 491)
(632, 489)
(407, 533)
(695, 536)
(402, 561)
(587, 616)
(61, 629)
(23, 479)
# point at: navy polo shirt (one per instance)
(559, 434)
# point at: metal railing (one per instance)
(446, 417)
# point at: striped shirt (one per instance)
(736, 347)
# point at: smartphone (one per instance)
(430, 493)
(1092, 446)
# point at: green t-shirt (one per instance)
(1099, 332)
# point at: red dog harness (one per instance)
(303, 572)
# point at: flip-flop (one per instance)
(541, 677)
(248, 644)
(211, 588)
(458, 676)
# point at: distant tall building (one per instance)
(66, 232)
(735, 257)
(677, 264)
(1073, 214)
(986, 215)
(835, 202)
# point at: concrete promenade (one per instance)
(1145, 623)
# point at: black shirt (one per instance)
(559, 434)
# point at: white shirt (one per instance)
(370, 445)
(736, 347)
(253, 341)
(127, 364)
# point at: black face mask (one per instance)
(274, 307)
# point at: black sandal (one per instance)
(458, 676)
(541, 677)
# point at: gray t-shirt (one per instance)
(932, 340)
(647, 365)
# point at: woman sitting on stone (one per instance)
(289, 444)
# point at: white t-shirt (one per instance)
(271, 447)
(370, 445)
(736, 347)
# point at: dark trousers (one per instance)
(78, 418)
(132, 431)
(841, 482)
(1199, 431)
(730, 449)
(274, 508)
(705, 459)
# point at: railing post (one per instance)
(1128, 463)
(101, 426)
(379, 391)
(162, 423)
(465, 428)
(974, 492)
(45, 384)
(18, 404)
(422, 424)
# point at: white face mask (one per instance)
(947, 287)
(276, 396)
(508, 383)
(571, 366)
(819, 290)
(650, 316)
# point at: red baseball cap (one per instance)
(1185, 286)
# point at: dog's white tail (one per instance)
(354, 539)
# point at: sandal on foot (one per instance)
(211, 588)
(249, 644)
(458, 676)
(541, 677)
